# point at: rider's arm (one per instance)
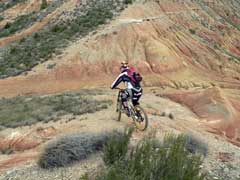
(119, 79)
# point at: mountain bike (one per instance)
(137, 113)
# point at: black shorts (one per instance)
(134, 95)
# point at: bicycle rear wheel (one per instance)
(140, 119)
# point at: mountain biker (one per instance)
(133, 89)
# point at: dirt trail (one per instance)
(184, 121)
(38, 25)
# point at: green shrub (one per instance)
(71, 149)
(117, 147)
(44, 4)
(58, 28)
(128, 1)
(1, 18)
(192, 31)
(7, 26)
(151, 159)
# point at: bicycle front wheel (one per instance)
(140, 118)
(119, 110)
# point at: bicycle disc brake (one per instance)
(139, 117)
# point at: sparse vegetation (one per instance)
(23, 55)
(20, 23)
(151, 159)
(10, 3)
(26, 20)
(71, 149)
(232, 57)
(22, 111)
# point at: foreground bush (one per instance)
(117, 147)
(73, 148)
(151, 159)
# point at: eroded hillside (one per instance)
(198, 40)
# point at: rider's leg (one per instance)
(135, 97)
(135, 102)
(124, 97)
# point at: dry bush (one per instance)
(196, 145)
(71, 149)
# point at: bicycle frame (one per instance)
(130, 105)
(133, 113)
